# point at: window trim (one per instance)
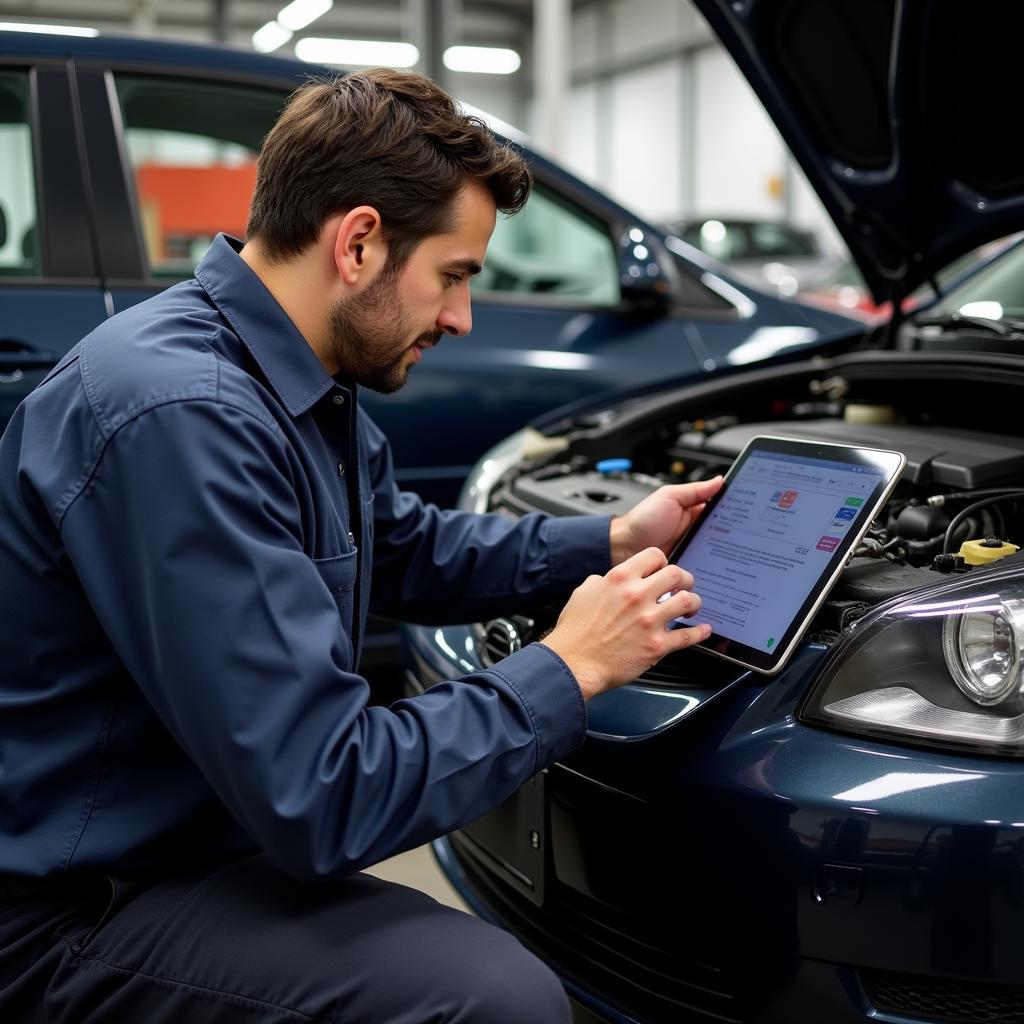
(107, 118)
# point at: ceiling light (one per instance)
(270, 37)
(299, 13)
(51, 30)
(483, 60)
(364, 52)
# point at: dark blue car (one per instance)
(844, 841)
(120, 158)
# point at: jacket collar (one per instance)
(290, 366)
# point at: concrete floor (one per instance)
(418, 869)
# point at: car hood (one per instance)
(892, 108)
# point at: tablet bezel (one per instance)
(892, 463)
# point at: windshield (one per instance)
(994, 292)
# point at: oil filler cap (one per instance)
(985, 550)
(608, 466)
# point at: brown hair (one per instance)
(392, 140)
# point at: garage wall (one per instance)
(496, 94)
(660, 118)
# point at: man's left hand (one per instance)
(661, 519)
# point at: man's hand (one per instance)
(660, 519)
(614, 627)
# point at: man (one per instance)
(192, 501)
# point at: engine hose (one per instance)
(977, 506)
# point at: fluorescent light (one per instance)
(299, 13)
(484, 60)
(365, 52)
(50, 30)
(270, 37)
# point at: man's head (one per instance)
(384, 172)
(388, 139)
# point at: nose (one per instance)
(456, 316)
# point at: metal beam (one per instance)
(552, 23)
(433, 27)
(222, 20)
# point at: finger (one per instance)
(682, 605)
(682, 638)
(688, 495)
(668, 580)
(640, 565)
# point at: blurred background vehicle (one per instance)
(844, 290)
(772, 252)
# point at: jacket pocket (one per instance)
(339, 576)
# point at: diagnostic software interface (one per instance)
(769, 539)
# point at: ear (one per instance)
(359, 249)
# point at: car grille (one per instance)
(630, 969)
(499, 638)
(503, 637)
(956, 1002)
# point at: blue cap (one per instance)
(614, 466)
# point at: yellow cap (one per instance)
(983, 551)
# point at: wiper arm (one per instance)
(1006, 326)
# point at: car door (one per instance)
(173, 154)
(50, 289)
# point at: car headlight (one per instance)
(527, 443)
(944, 667)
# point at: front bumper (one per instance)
(704, 856)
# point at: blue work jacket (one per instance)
(193, 512)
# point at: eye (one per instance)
(452, 279)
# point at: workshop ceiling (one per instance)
(478, 22)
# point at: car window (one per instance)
(554, 250)
(18, 248)
(994, 292)
(723, 242)
(779, 240)
(192, 148)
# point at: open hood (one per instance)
(894, 110)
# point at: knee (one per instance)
(504, 983)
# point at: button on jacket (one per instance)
(190, 510)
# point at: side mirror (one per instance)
(644, 269)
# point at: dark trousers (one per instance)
(245, 943)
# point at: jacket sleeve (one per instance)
(186, 539)
(438, 566)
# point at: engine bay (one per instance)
(958, 505)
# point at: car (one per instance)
(772, 252)
(842, 841)
(120, 158)
(843, 288)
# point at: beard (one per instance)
(369, 336)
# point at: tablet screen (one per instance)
(768, 547)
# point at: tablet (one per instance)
(768, 547)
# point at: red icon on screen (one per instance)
(787, 499)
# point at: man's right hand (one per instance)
(613, 628)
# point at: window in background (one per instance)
(192, 148)
(769, 239)
(552, 250)
(18, 247)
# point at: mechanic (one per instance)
(191, 773)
